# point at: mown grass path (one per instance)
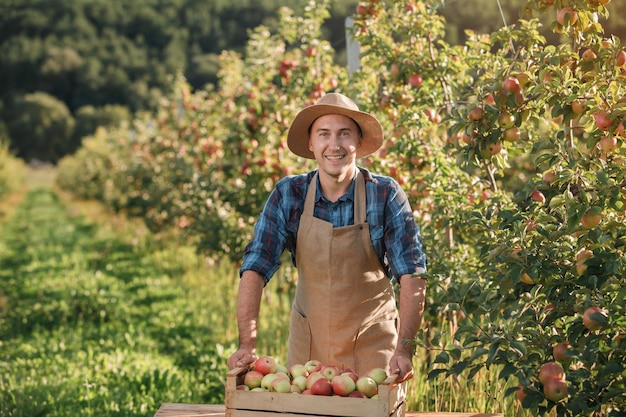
(94, 323)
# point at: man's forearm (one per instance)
(412, 299)
(248, 305)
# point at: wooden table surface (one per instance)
(208, 410)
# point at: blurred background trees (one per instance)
(77, 58)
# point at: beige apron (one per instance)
(344, 312)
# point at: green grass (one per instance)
(99, 317)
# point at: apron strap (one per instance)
(360, 214)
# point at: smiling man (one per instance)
(350, 234)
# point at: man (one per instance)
(347, 230)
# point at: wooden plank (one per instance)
(208, 410)
(196, 410)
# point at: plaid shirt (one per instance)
(395, 236)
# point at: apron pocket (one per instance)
(299, 350)
(375, 345)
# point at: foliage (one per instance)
(508, 146)
(96, 323)
(11, 170)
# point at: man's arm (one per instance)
(412, 299)
(248, 305)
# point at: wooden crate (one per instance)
(239, 403)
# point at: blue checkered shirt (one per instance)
(395, 236)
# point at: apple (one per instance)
(351, 374)
(549, 176)
(265, 365)
(252, 379)
(559, 351)
(588, 55)
(555, 389)
(378, 375)
(298, 369)
(538, 197)
(415, 80)
(343, 385)
(603, 120)
(267, 380)
(322, 386)
(242, 387)
(329, 371)
(313, 376)
(520, 394)
(566, 15)
(512, 134)
(526, 279)
(621, 58)
(300, 382)
(494, 148)
(282, 385)
(581, 260)
(608, 143)
(578, 107)
(476, 114)
(550, 370)
(620, 127)
(313, 365)
(357, 394)
(594, 318)
(280, 368)
(511, 85)
(295, 389)
(590, 220)
(367, 386)
(506, 120)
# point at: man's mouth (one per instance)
(334, 157)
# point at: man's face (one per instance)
(334, 140)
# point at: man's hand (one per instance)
(401, 363)
(243, 357)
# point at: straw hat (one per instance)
(334, 103)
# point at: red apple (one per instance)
(367, 386)
(566, 15)
(322, 386)
(343, 385)
(512, 134)
(621, 58)
(351, 374)
(356, 394)
(415, 80)
(267, 380)
(550, 370)
(603, 120)
(594, 318)
(494, 148)
(589, 55)
(265, 365)
(312, 378)
(555, 389)
(511, 85)
(538, 197)
(252, 379)
(559, 351)
(476, 114)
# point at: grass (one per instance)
(99, 317)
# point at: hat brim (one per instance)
(298, 135)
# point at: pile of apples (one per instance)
(311, 378)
